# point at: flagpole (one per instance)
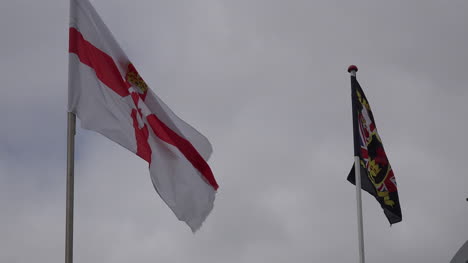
(70, 187)
(71, 131)
(357, 168)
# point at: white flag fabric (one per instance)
(109, 97)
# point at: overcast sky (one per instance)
(266, 82)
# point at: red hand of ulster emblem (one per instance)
(138, 90)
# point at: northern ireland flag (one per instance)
(109, 97)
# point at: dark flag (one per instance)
(376, 173)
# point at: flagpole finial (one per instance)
(352, 68)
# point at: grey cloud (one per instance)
(266, 82)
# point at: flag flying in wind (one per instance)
(109, 97)
(376, 173)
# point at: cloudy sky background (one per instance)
(266, 82)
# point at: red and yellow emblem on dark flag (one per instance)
(377, 176)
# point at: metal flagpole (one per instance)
(70, 187)
(71, 131)
(357, 167)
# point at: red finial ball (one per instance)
(352, 68)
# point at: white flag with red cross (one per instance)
(109, 97)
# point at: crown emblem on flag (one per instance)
(134, 78)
